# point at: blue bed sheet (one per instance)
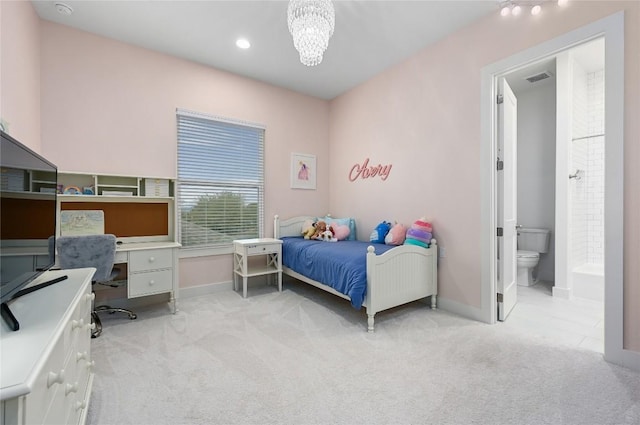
(341, 265)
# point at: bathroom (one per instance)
(561, 173)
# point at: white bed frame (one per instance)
(403, 274)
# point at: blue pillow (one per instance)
(348, 221)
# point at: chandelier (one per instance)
(311, 24)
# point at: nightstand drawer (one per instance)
(151, 259)
(150, 283)
(263, 249)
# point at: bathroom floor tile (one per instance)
(576, 322)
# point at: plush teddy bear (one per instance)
(308, 229)
(321, 227)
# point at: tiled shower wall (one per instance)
(588, 155)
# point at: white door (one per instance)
(507, 199)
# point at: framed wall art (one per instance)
(303, 171)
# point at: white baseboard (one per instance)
(626, 358)
(470, 312)
(564, 293)
(209, 288)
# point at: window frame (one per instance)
(227, 247)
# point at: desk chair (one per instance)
(99, 251)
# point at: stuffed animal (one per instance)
(327, 236)
(321, 227)
(419, 233)
(396, 235)
(379, 233)
(308, 229)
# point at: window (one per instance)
(220, 180)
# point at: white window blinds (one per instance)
(220, 180)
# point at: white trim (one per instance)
(612, 28)
(207, 289)
(464, 310)
(188, 113)
(193, 252)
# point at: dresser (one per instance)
(46, 369)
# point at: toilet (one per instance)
(531, 243)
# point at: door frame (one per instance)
(612, 28)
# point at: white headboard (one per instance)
(289, 227)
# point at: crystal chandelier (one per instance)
(311, 24)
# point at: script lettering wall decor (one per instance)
(366, 171)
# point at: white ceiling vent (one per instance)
(538, 77)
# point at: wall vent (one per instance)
(538, 77)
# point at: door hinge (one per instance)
(500, 165)
(499, 298)
(500, 231)
(500, 99)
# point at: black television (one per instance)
(28, 188)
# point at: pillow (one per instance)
(341, 231)
(347, 221)
(379, 233)
(396, 235)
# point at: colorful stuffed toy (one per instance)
(327, 236)
(321, 227)
(379, 233)
(396, 235)
(308, 229)
(420, 233)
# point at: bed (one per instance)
(397, 276)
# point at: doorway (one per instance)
(576, 134)
(612, 29)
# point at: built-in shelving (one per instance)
(78, 184)
(86, 184)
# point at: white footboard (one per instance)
(399, 276)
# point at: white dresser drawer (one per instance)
(45, 389)
(263, 249)
(151, 259)
(149, 283)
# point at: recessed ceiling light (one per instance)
(64, 9)
(243, 43)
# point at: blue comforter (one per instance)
(341, 265)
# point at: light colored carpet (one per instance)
(304, 357)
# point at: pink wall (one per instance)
(110, 107)
(20, 72)
(423, 116)
(106, 105)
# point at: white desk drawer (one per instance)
(263, 249)
(151, 259)
(121, 257)
(150, 283)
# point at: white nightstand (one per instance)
(245, 248)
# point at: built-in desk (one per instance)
(152, 268)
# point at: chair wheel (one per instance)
(133, 316)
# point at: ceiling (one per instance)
(370, 36)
